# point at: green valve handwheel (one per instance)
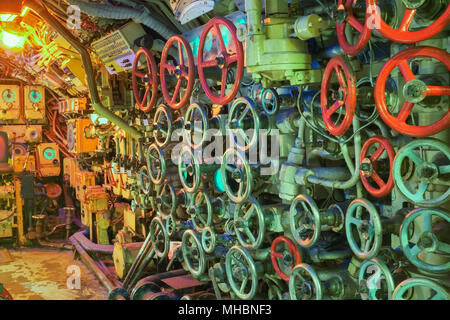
(195, 125)
(304, 220)
(426, 171)
(35, 96)
(159, 237)
(208, 240)
(144, 179)
(249, 224)
(200, 210)
(162, 126)
(440, 293)
(49, 154)
(193, 253)
(241, 273)
(189, 170)
(243, 117)
(236, 175)
(427, 241)
(304, 283)
(156, 164)
(367, 227)
(166, 201)
(375, 280)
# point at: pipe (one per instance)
(87, 64)
(352, 168)
(92, 265)
(139, 14)
(90, 246)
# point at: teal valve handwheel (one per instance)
(241, 272)
(304, 220)
(144, 179)
(236, 175)
(243, 117)
(427, 241)
(166, 202)
(375, 280)
(209, 240)
(195, 125)
(200, 210)
(156, 164)
(189, 169)
(440, 293)
(159, 237)
(49, 154)
(426, 172)
(249, 224)
(304, 283)
(162, 126)
(368, 228)
(9, 96)
(193, 253)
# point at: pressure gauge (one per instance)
(9, 95)
(35, 96)
(49, 154)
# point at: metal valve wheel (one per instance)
(223, 59)
(414, 90)
(241, 272)
(426, 172)
(427, 242)
(193, 253)
(209, 240)
(368, 229)
(344, 96)
(368, 166)
(156, 164)
(243, 117)
(270, 101)
(189, 170)
(200, 210)
(145, 181)
(304, 283)
(162, 126)
(402, 33)
(236, 175)
(159, 237)
(149, 87)
(305, 223)
(285, 256)
(346, 17)
(248, 218)
(440, 293)
(166, 200)
(171, 225)
(195, 125)
(375, 280)
(184, 72)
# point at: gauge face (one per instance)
(35, 96)
(49, 153)
(9, 95)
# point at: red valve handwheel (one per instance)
(150, 78)
(345, 96)
(416, 88)
(384, 188)
(293, 251)
(364, 30)
(402, 34)
(223, 60)
(179, 71)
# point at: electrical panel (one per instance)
(10, 102)
(48, 160)
(81, 136)
(34, 106)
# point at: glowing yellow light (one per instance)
(11, 40)
(7, 17)
(24, 11)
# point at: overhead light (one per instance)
(12, 41)
(7, 17)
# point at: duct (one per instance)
(87, 63)
(90, 246)
(138, 13)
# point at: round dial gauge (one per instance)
(9, 95)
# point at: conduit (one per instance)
(88, 68)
